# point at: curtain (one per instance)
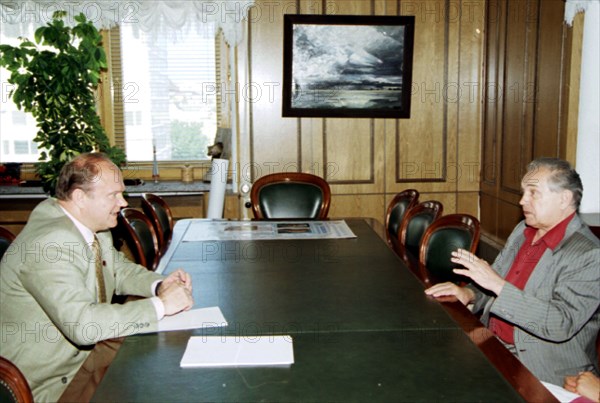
(588, 122)
(150, 16)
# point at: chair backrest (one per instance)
(289, 195)
(6, 238)
(159, 211)
(441, 238)
(141, 237)
(13, 385)
(416, 221)
(396, 211)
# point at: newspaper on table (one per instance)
(263, 230)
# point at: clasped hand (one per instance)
(477, 270)
(585, 383)
(176, 292)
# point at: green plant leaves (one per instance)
(57, 86)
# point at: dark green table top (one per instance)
(362, 328)
(388, 366)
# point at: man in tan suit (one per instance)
(541, 296)
(53, 295)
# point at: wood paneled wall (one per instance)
(367, 161)
(528, 97)
(495, 84)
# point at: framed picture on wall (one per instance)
(350, 66)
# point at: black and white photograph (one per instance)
(347, 66)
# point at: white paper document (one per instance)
(227, 351)
(193, 319)
(560, 393)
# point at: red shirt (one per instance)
(527, 258)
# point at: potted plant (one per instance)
(56, 83)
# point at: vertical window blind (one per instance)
(165, 92)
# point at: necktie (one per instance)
(99, 274)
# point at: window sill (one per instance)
(161, 188)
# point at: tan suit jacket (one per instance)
(50, 317)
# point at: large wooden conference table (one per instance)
(362, 330)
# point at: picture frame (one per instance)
(351, 66)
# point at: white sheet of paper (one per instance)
(560, 393)
(223, 351)
(193, 319)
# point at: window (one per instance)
(163, 96)
(163, 91)
(17, 128)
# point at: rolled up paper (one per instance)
(218, 183)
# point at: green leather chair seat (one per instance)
(441, 244)
(291, 200)
(396, 215)
(397, 208)
(146, 240)
(13, 385)
(444, 236)
(163, 219)
(416, 228)
(6, 394)
(416, 221)
(141, 237)
(159, 212)
(4, 244)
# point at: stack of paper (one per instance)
(222, 351)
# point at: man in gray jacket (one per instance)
(58, 277)
(541, 295)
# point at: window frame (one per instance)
(112, 114)
(169, 170)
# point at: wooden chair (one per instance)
(396, 211)
(416, 221)
(159, 211)
(290, 195)
(140, 237)
(442, 237)
(6, 238)
(13, 385)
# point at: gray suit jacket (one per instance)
(49, 310)
(556, 316)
